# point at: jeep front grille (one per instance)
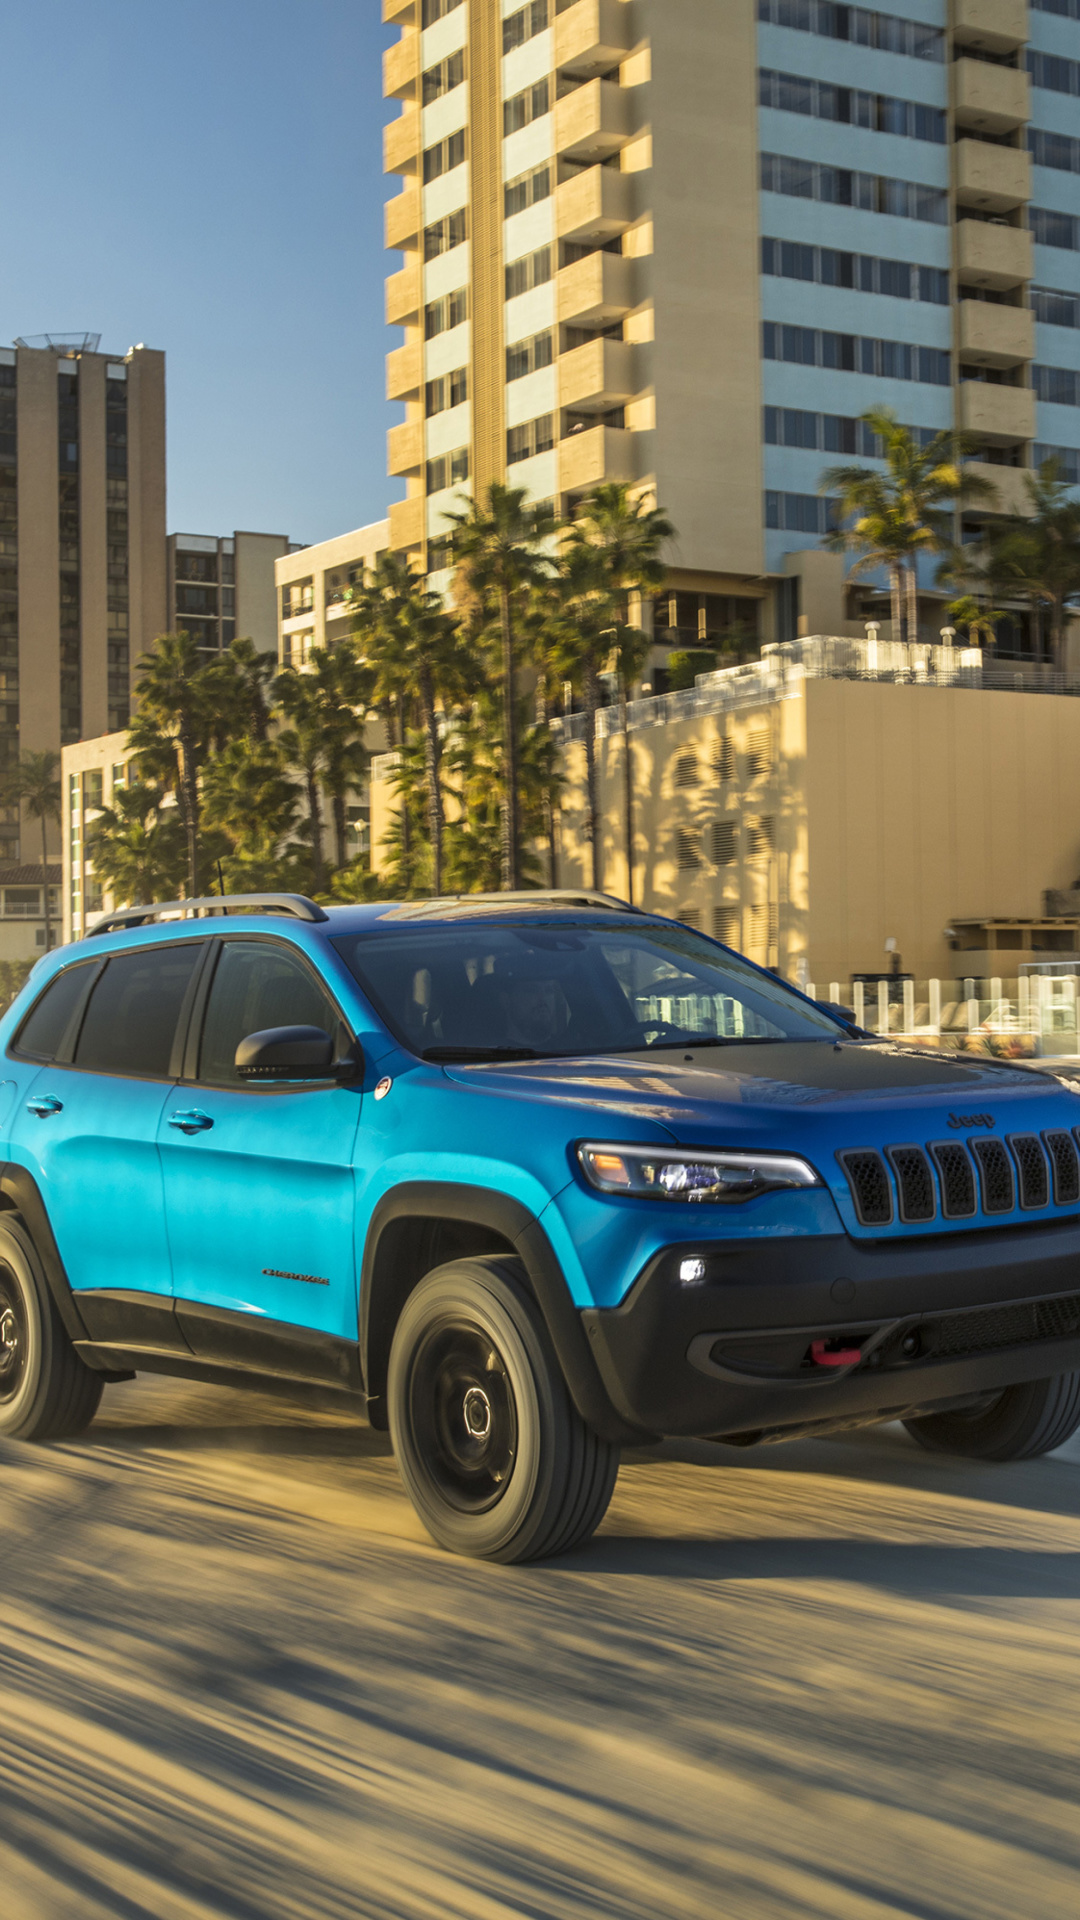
(963, 1179)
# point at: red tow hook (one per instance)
(824, 1353)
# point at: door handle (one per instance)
(191, 1121)
(44, 1104)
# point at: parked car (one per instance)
(529, 1178)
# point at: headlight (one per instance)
(668, 1174)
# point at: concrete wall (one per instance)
(146, 500)
(256, 595)
(39, 555)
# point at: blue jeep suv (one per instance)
(529, 1178)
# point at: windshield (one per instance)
(480, 991)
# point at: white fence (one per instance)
(1028, 1018)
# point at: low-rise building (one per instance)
(91, 772)
(312, 583)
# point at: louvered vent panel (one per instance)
(870, 1189)
(686, 770)
(1031, 1166)
(687, 844)
(690, 917)
(957, 1177)
(723, 842)
(1066, 1167)
(724, 760)
(725, 925)
(995, 1176)
(915, 1183)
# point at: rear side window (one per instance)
(47, 1022)
(131, 1021)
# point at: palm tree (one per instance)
(33, 782)
(582, 621)
(249, 796)
(1036, 557)
(137, 847)
(894, 516)
(628, 535)
(179, 715)
(497, 553)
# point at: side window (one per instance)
(47, 1022)
(131, 1021)
(258, 984)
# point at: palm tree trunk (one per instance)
(337, 802)
(406, 817)
(314, 799)
(592, 701)
(912, 602)
(510, 773)
(432, 755)
(189, 784)
(542, 715)
(894, 596)
(45, 883)
(628, 788)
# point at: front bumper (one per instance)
(933, 1318)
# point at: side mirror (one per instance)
(286, 1053)
(846, 1014)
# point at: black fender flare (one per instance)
(19, 1193)
(445, 1200)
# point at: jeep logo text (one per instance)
(971, 1119)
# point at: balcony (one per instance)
(594, 121)
(401, 143)
(592, 36)
(991, 256)
(399, 68)
(994, 336)
(596, 454)
(992, 99)
(400, 13)
(404, 291)
(1000, 414)
(407, 523)
(597, 376)
(995, 25)
(995, 178)
(404, 371)
(1010, 484)
(402, 217)
(595, 291)
(405, 448)
(594, 205)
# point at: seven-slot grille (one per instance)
(984, 1175)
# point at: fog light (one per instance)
(691, 1270)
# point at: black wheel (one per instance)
(495, 1456)
(46, 1391)
(1014, 1425)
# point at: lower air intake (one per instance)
(959, 1335)
(870, 1187)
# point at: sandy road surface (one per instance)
(833, 1681)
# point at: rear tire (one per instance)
(46, 1391)
(496, 1458)
(1016, 1425)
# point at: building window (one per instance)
(843, 187)
(1050, 71)
(828, 432)
(1067, 458)
(527, 106)
(530, 356)
(433, 10)
(799, 513)
(865, 28)
(195, 566)
(535, 436)
(448, 470)
(532, 271)
(1055, 308)
(441, 316)
(877, 112)
(525, 24)
(449, 390)
(1058, 150)
(853, 353)
(862, 272)
(444, 235)
(1053, 229)
(440, 553)
(1060, 386)
(526, 190)
(297, 598)
(443, 77)
(444, 156)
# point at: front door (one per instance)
(259, 1180)
(87, 1127)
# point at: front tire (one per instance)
(1017, 1424)
(46, 1391)
(495, 1456)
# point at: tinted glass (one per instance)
(131, 1021)
(258, 985)
(44, 1027)
(560, 987)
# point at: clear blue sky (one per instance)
(205, 176)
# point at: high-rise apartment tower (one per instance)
(686, 243)
(82, 541)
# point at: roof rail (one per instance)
(527, 897)
(212, 903)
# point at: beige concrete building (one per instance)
(82, 543)
(687, 245)
(92, 772)
(223, 589)
(311, 586)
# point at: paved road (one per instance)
(834, 1681)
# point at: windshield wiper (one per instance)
(714, 1040)
(479, 1053)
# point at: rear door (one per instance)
(259, 1180)
(87, 1127)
